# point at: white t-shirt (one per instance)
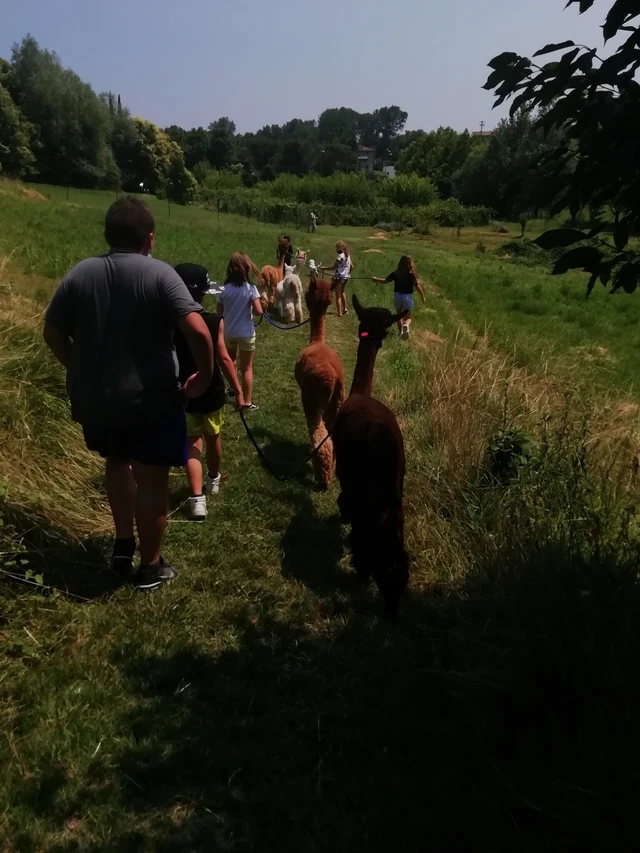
(236, 300)
(343, 269)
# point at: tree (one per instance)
(196, 146)
(224, 125)
(339, 125)
(295, 158)
(16, 157)
(499, 173)
(221, 153)
(72, 122)
(595, 102)
(336, 157)
(179, 184)
(437, 155)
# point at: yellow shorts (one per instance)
(243, 344)
(210, 424)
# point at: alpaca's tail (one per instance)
(323, 458)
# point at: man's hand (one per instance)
(195, 386)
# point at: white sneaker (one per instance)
(405, 332)
(212, 484)
(198, 508)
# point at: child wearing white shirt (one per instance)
(238, 303)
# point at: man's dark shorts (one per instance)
(163, 443)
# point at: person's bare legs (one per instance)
(246, 371)
(152, 506)
(214, 454)
(339, 298)
(121, 494)
(194, 465)
(232, 349)
(345, 309)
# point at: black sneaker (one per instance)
(122, 558)
(152, 577)
(230, 393)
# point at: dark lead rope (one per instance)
(265, 316)
(280, 477)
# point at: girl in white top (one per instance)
(342, 273)
(238, 303)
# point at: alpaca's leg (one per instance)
(298, 309)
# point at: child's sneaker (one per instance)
(212, 484)
(198, 508)
(405, 332)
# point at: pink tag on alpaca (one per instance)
(364, 334)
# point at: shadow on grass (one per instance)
(312, 549)
(499, 718)
(286, 457)
(80, 570)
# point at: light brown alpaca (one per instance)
(271, 275)
(320, 375)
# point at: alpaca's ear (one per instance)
(396, 318)
(357, 307)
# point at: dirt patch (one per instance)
(596, 353)
(425, 337)
(34, 194)
(379, 235)
(627, 410)
(373, 252)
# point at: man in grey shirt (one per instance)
(110, 323)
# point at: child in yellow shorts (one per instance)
(205, 414)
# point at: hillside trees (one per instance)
(16, 155)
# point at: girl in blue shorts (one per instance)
(405, 281)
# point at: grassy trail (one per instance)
(260, 703)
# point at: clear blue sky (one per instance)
(267, 61)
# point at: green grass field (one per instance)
(261, 703)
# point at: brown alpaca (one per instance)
(370, 466)
(320, 375)
(271, 275)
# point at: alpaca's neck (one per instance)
(280, 266)
(363, 374)
(318, 323)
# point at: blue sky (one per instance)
(267, 61)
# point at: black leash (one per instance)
(280, 477)
(266, 317)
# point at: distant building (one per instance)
(366, 158)
(389, 171)
(483, 134)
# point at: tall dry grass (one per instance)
(51, 481)
(575, 490)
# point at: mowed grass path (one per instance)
(259, 703)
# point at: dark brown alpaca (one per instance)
(370, 465)
(320, 375)
(271, 275)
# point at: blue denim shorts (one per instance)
(403, 301)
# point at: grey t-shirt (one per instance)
(120, 310)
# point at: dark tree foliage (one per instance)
(595, 102)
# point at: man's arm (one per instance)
(58, 342)
(199, 341)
